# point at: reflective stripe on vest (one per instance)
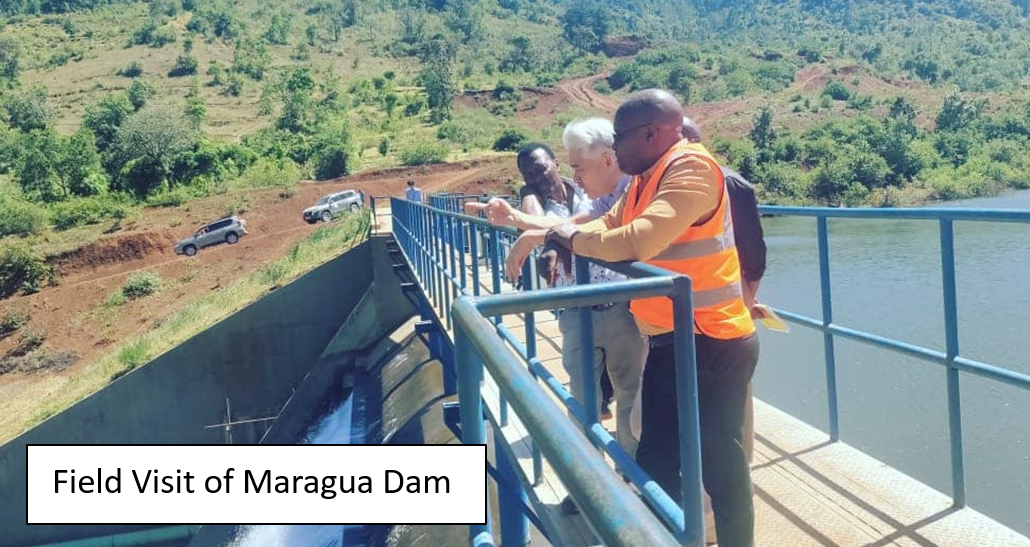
(702, 247)
(705, 252)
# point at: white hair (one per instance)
(594, 134)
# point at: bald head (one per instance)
(647, 124)
(653, 106)
(691, 131)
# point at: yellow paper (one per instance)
(770, 320)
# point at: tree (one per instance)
(250, 58)
(520, 57)
(959, 112)
(9, 54)
(465, 20)
(146, 145)
(139, 93)
(437, 76)
(902, 110)
(412, 26)
(279, 30)
(332, 151)
(585, 25)
(105, 117)
(339, 16)
(390, 103)
(763, 134)
(312, 34)
(54, 167)
(195, 112)
(185, 65)
(27, 109)
(293, 92)
(837, 91)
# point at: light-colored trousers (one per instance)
(619, 346)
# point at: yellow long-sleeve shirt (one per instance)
(687, 194)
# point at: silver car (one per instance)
(332, 205)
(226, 230)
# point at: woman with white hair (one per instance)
(618, 345)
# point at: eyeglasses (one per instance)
(619, 136)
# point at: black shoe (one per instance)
(568, 506)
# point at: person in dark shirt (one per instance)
(751, 251)
(747, 223)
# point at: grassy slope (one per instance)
(30, 400)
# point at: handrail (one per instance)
(950, 358)
(431, 237)
(617, 515)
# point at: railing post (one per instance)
(495, 263)
(461, 255)
(495, 274)
(474, 257)
(958, 473)
(831, 364)
(447, 248)
(473, 430)
(587, 369)
(688, 414)
(438, 262)
(527, 284)
(372, 205)
(514, 522)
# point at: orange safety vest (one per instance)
(706, 253)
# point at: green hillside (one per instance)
(109, 105)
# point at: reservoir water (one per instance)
(886, 280)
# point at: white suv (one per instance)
(332, 205)
(226, 230)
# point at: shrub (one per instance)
(141, 284)
(115, 299)
(139, 93)
(331, 162)
(21, 268)
(415, 106)
(171, 198)
(21, 218)
(274, 274)
(424, 153)
(234, 85)
(504, 91)
(185, 65)
(49, 361)
(12, 320)
(133, 70)
(83, 211)
(28, 342)
(237, 206)
(384, 146)
(837, 91)
(510, 140)
(268, 172)
(133, 355)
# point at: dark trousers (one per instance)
(724, 368)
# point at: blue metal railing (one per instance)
(471, 237)
(950, 359)
(436, 240)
